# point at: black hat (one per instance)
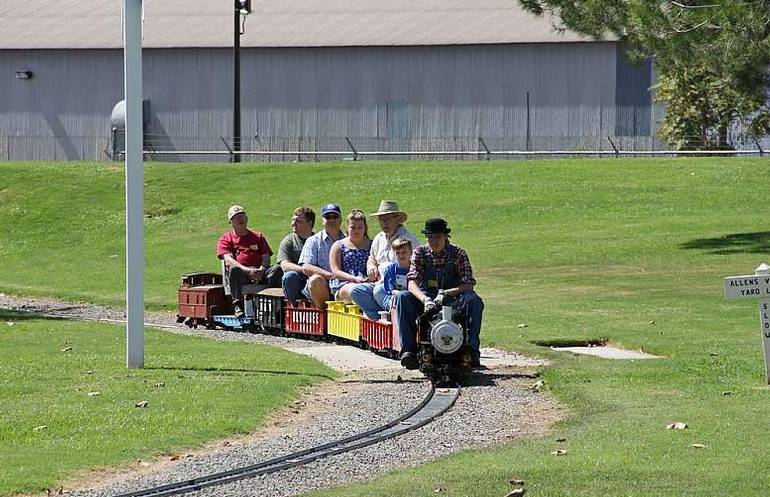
(435, 225)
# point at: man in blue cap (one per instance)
(440, 274)
(313, 282)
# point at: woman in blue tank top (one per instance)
(348, 256)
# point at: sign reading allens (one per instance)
(755, 285)
(737, 287)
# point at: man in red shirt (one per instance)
(246, 254)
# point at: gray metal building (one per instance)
(399, 75)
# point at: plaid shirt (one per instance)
(423, 256)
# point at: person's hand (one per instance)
(361, 279)
(439, 300)
(373, 273)
(255, 274)
(430, 305)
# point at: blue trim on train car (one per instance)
(233, 322)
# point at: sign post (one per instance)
(132, 61)
(755, 286)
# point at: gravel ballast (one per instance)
(495, 406)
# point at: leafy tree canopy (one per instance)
(705, 50)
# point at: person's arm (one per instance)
(290, 266)
(284, 256)
(414, 277)
(414, 289)
(262, 269)
(454, 292)
(266, 251)
(265, 261)
(310, 269)
(335, 263)
(372, 268)
(463, 266)
(309, 258)
(389, 280)
(251, 272)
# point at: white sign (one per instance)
(739, 287)
(755, 286)
(764, 317)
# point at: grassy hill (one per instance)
(632, 251)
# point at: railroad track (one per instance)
(436, 403)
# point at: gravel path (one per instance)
(495, 406)
(90, 312)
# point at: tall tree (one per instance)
(712, 58)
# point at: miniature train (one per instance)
(442, 337)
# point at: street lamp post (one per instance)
(242, 7)
(237, 80)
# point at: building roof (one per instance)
(283, 23)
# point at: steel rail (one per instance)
(436, 403)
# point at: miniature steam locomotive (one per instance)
(442, 337)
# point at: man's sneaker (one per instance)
(409, 360)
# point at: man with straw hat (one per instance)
(369, 296)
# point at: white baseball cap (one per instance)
(236, 209)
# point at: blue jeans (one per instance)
(369, 297)
(293, 282)
(409, 308)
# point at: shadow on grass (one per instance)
(11, 315)
(734, 243)
(237, 370)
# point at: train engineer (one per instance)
(440, 274)
(370, 296)
(313, 281)
(246, 255)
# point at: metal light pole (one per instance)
(242, 7)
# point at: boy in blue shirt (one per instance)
(394, 276)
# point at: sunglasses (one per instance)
(331, 216)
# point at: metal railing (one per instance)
(218, 148)
(484, 152)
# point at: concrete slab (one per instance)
(607, 352)
(346, 358)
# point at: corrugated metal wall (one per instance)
(61, 112)
(530, 96)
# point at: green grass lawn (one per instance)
(69, 402)
(632, 251)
